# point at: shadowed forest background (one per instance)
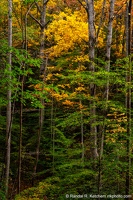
(65, 98)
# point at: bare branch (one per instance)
(38, 7)
(29, 9)
(82, 5)
(36, 20)
(115, 14)
(46, 2)
(101, 19)
(47, 23)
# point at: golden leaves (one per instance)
(117, 122)
(58, 96)
(66, 31)
(80, 68)
(80, 89)
(68, 103)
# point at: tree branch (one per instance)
(101, 19)
(38, 7)
(47, 23)
(82, 5)
(29, 8)
(36, 20)
(46, 2)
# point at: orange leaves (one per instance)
(121, 6)
(68, 103)
(49, 77)
(64, 86)
(38, 87)
(58, 96)
(80, 89)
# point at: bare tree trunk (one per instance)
(82, 131)
(107, 68)
(101, 19)
(24, 46)
(53, 132)
(106, 97)
(92, 41)
(42, 23)
(109, 41)
(20, 137)
(9, 117)
(128, 92)
(42, 37)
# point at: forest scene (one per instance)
(66, 99)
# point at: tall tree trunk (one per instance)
(20, 137)
(92, 41)
(42, 23)
(42, 37)
(101, 19)
(128, 92)
(9, 117)
(107, 68)
(108, 46)
(24, 46)
(82, 130)
(53, 132)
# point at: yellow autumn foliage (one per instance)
(49, 77)
(80, 89)
(68, 103)
(59, 97)
(64, 86)
(80, 68)
(66, 30)
(117, 122)
(81, 58)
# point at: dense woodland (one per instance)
(65, 99)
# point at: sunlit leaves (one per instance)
(66, 31)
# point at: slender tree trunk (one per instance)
(82, 131)
(109, 41)
(43, 66)
(42, 37)
(41, 116)
(24, 46)
(92, 41)
(53, 132)
(20, 138)
(101, 19)
(8, 122)
(128, 92)
(107, 68)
